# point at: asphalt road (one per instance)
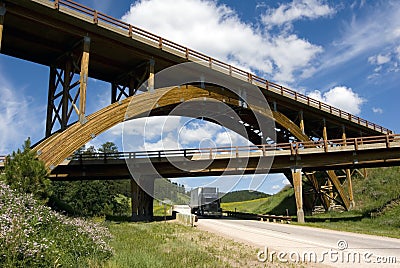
(299, 244)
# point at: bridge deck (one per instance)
(310, 156)
(42, 31)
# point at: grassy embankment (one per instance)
(377, 208)
(159, 244)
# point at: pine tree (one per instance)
(26, 173)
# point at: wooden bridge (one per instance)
(77, 42)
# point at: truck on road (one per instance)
(205, 201)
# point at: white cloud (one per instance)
(285, 182)
(18, 119)
(377, 110)
(341, 97)
(364, 34)
(296, 10)
(398, 52)
(168, 142)
(230, 138)
(196, 132)
(294, 54)
(151, 127)
(379, 59)
(217, 30)
(276, 187)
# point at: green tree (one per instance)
(108, 147)
(91, 198)
(25, 172)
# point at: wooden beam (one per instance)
(151, 75)
(344, 136)
(298, 192)
(324, 131)
(83, 79)
(324, 200)
(65, 93)
(350, 186)
(301, 121)
(2, 13)
(335, 181)
(50, 101)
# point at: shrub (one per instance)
(32, 235)
(24, 172)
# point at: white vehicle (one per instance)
(205, 201)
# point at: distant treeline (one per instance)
(242, 195)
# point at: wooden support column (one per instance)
(2, 13)
(344, 136)
(298, 191)
(330, 190)
(365, 173)
(83, 79)
(114, 89)
(147, 192)
(324, 131)
(134, 200)
(350, 186)
(65, 94)
(151, 75)
(50, 100)
(301, 122)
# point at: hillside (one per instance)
(377, 208)
(242, 195)
(275, 204)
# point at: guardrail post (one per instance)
(263, 150)
(387, 141)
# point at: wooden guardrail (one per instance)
(262, 217)
(293, 148)
(192, 55)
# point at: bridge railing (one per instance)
(293, 148)
(193, 55)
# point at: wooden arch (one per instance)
(59, 146)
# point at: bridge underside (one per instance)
(326, 188)
(77, 42)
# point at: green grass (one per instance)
(170, 244)
(245, 206)
(377, 208)
(276, 204)
(387, 224)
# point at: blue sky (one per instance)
(346, 53)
